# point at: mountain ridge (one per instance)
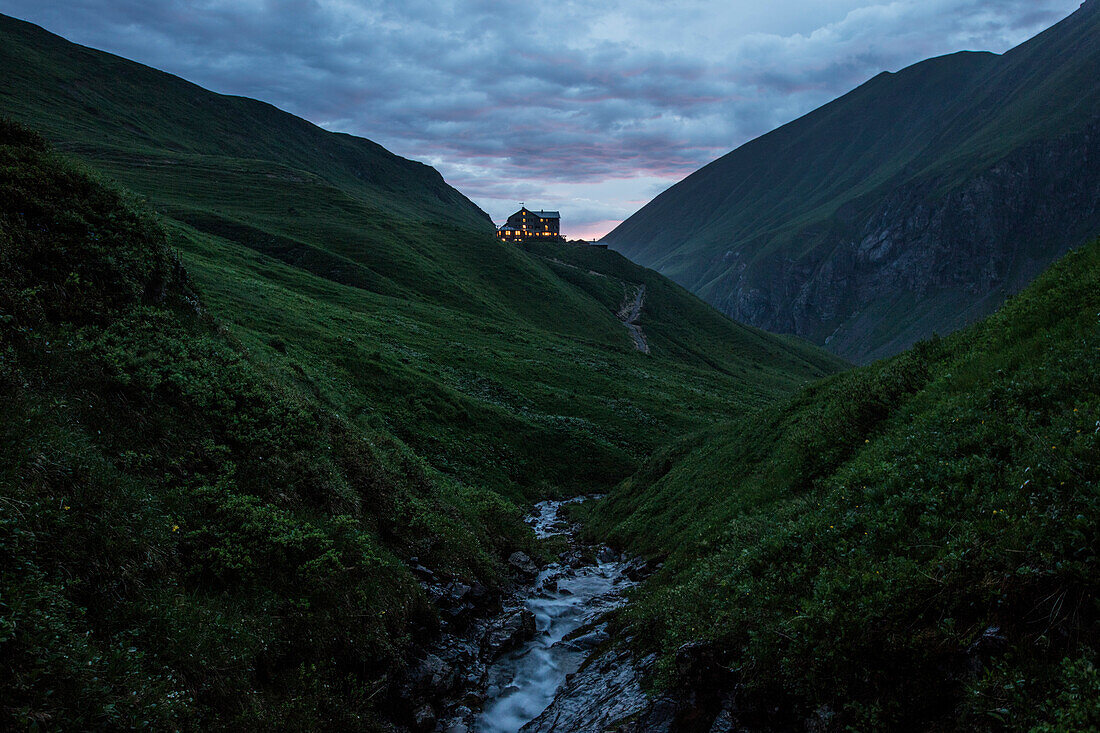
(101, 85)
(790, 231)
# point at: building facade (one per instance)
(526, 225)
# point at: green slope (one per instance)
(893, 212)
(340, 206)
(845, 552)
(241, 392)
(383, 287)
(676, 324)
(212, 475)
(185, 535)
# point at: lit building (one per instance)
(526, 225)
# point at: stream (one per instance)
(563, 599)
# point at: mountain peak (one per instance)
(817, 228)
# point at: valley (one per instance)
(291, 440)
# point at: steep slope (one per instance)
(336, 205)
(377, 287)
(910, 545)
(912, 205)
(104, 102)
(676, 324)
(184, 535)
(208, 523)
(237, 416)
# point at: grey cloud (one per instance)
(522, 100)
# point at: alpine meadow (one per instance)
(294, 436)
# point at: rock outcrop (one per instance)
(921, 261)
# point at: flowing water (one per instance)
(523, 683)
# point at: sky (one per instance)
(590, 107)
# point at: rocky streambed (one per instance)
(564, 602)
(527, 663)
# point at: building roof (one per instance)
(547, 214)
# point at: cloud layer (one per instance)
(591, 107)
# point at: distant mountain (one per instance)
(913, 205)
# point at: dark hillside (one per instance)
(93, 100)
(250, 370)
(912, 205)
(677, 324)
(341, 206)
(379, 290)
(910, 545)
(183, 535)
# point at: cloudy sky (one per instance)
(588, 106)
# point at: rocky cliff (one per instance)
(923, 260)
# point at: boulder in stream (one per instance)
(604, 692)
(508, 632)
(522, 562)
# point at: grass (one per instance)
(844, 553)
(369, 283)
(186, 536)
(250, 368)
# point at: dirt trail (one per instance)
(629, 315)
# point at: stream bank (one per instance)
(524, 661)
(565, 600)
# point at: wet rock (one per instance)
(551, 580)
(723, 722)
(455, 602)
(433, 673)
(659, 717)
(574, 559)
(595, 699)
(457, 591)
(475, 678)
(639, 569)
(457, 726)
(590, 640)
(821, 721)
(479, 594)
(422, 572)
(991, 641)
(522, 562)
(508, 632)
(606, 554)
(424, 719)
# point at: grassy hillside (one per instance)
(909, 545)
(912, 205)
(367, 282)
(240, 393)
(677, 324)
(214, 466)
(185, 535)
